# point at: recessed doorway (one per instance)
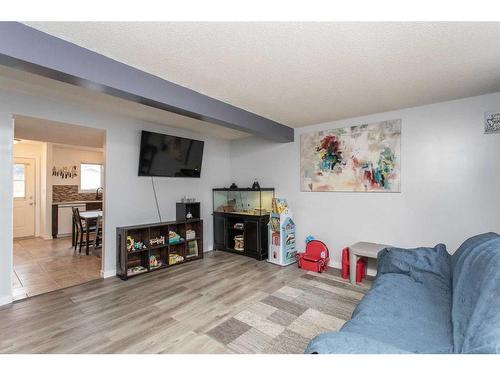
(58, 184)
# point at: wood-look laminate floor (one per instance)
(42, 266)
(225, 303)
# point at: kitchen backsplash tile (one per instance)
(69, 193)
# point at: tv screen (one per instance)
(168, 156)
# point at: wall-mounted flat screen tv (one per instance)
(168, 156)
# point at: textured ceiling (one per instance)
(306, 73)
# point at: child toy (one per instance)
(135, 270)
(309, 238)
(175, 258)
(345, 263)
(138, 246)
(153, 262)
(360, 266)
(174, 238)
(360, 270)
(157, 241)
(130, 243)
(282, 249)
(315, 258)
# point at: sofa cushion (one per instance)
(476, 295)
(408, 309)
(403, 312)
(426, 265)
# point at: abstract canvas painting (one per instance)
(365, 158)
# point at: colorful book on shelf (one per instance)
(190, 234)
(192, 249)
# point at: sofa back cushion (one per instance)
(476, 295)
(426, 265)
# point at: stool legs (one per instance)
(353, 260)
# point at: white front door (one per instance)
(24, 197)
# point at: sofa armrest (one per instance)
(349, 343)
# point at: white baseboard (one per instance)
(107, 274)
(5, 300)
(335, 264)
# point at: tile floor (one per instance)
(41, 266)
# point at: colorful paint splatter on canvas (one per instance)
(357, 158)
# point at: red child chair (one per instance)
(315, 257)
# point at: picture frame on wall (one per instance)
(492, 122)
(360, 158)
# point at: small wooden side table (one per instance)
(362, 249)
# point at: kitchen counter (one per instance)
(75, 202)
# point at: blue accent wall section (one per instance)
(30, 50)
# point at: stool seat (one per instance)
(362, 249)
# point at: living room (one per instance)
(349, 210)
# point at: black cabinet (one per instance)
(219, 232)
(251, 236)
(253, 228)
(182, 209)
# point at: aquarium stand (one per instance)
(254, 232)
(241, 218)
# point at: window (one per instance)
(90, 177)
(19, 181)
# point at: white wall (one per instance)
(68, 156)
(128, 198)
(450, 181)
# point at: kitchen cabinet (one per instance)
(62, 215)
(65, 218)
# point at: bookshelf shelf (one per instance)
(147, 235)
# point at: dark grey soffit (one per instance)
(30, 50)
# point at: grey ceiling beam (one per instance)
(27, 49)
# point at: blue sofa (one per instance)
(426, 301)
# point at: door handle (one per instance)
(31, 204)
